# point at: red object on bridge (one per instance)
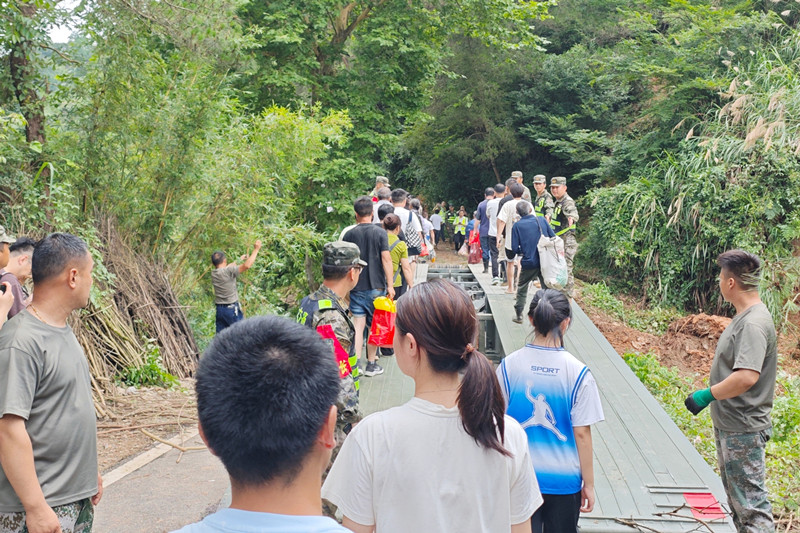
(704, 505)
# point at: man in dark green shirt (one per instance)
(741, 393)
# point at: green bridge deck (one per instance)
(643, 462)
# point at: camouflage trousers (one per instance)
(570, 249)
(74, 518)
(743, 473)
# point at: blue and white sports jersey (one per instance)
(549, 392)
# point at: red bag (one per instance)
(382, 331)
(424, 252)
(475, 255)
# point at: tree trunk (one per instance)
(23, 79)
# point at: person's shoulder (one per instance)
(21, 332)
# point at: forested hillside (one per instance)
(193, 126)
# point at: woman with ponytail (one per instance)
(554, 396)
(448, 460)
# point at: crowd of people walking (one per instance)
(477, 448)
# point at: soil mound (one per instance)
(702, 325)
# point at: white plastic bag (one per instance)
(552, 262)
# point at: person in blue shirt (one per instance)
(266, 394)
(555, 399)
(524, 241)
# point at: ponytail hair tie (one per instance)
(470, 348)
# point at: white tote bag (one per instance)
(551, 260)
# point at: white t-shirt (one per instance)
(414, 469)
(491, 212)
(403, 213)
(508, 214)
(238, 521)
(375, 207)
(427, 227)
(436, 220)
(550, 392)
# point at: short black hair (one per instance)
(217, 258)
(517, 190)
(743, 266)
(54, 253)
(384, 193)
(489, 191)
(510, 182)
(399, 195)
(23, 245)
(335, 272)
(383, 210)
(264, 389)
(363, 206)
(499, 188)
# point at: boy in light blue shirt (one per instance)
(266, 393)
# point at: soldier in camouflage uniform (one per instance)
(741, 393)
(543, 203)
(327, 312)
(564, 218)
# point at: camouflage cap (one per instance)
(5, 237)
(341, 253)
(539, 178)
(382, 179)
(516, 174)
(558, 180)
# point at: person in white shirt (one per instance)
(491, 212)
(384, 196)
(447, 461)
(505, 223)
(436, 220)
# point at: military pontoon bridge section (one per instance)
(647, 473)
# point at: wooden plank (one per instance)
(637, 447)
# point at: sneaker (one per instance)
(496, 281)
(387, 352)
(517, 320)
(373, 369)
(485, 270)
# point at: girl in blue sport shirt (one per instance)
(555, 398)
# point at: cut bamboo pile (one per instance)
(142, 312)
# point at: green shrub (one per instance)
(151, 374)
(783, 450)
(655, 320)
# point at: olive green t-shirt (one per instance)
(398, 253)
(749, 342)
(44, 378)
(224, 281)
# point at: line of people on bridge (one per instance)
(470, 452)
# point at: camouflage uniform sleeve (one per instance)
(571, 210)
(347, 402)
(549, 205)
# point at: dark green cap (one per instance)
(341, 253)
(5, 237)
(558, 180)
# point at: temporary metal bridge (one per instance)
(648, 476)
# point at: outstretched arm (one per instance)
(252, 259)
(6, 302)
